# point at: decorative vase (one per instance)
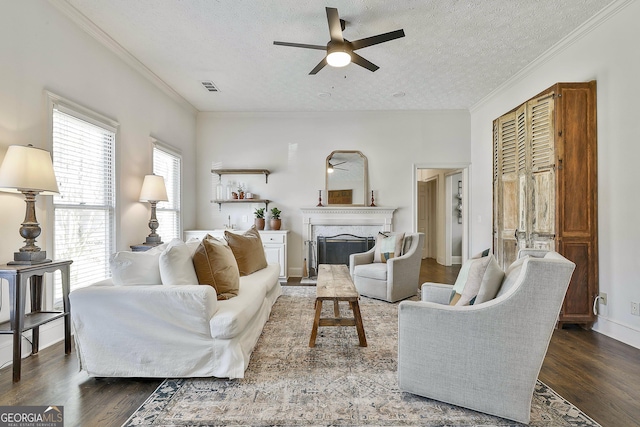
(240, 194)
(259, 223)
(275, 224)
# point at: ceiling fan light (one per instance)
(338, 58)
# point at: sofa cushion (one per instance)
(388, 245)
(216, 266)
(176, 265)
(483, 273)
(377, 271)
(135, 268)
(234, 315)
(248, 250)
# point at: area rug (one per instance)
(337, 383)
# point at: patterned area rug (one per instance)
(335, 383)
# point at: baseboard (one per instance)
(618, 331)
(456, 260)
(50, 333)
(295, 272)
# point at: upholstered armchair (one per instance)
(396, 279)
(486, 356)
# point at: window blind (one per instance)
(84, 211)
(168, 165)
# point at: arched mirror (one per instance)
(346, 178)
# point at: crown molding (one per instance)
(584, 29)
(103, 38)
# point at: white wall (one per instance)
(43, 50)
(604, 50)
(294, 146)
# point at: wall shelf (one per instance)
(264, 172)
(231, 201)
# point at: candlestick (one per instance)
(373, 205)
(319, 198)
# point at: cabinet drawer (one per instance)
(272, 238)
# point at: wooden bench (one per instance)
(335, 284)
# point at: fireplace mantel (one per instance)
(346, 215)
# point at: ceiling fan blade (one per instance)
(357, 59)
(305, 46)
(335, 28)
(319, 67)
(380, 38)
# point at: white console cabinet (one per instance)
(273, 241)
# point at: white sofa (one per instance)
(171, 331)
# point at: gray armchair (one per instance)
(397, 279)
(485, 357)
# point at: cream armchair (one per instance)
(397, 279)
(485, 357)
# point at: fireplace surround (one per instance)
(330, 221)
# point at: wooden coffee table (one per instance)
(335, 284)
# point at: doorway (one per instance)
(441, 211)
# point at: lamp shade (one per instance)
(153, 189)
(27, 168)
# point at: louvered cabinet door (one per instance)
(523, 232)
(542, 206)
(507, 200)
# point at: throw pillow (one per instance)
(216, 266)
(512, 274)
(135, 268)
(248, 250)
(388, 245)
(484, 273)
(176, 265)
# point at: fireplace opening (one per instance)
(336, 249)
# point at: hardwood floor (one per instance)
(596, 373)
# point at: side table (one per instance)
(18, 276)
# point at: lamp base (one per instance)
(153, 240)
(29, 258)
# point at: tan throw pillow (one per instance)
(388, 245)
(485, 277)
(216, 266)
(248, 250)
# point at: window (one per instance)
(83, 152)
(168, 163)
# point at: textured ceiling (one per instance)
(455, 51)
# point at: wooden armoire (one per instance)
(545, 187)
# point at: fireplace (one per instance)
(363, 221)
(336, 249)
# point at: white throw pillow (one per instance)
(135, 268)
(193, 244)
(176, 265)
(483, 280)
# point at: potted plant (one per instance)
(240, 190)
(275, 221)
(259, 222)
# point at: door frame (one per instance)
(465, 169)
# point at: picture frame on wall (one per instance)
(340, 197)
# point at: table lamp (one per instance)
(153, 191)
(28, 170)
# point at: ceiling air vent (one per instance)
(208, 85)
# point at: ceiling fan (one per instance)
(340, 51)
(333, 167)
